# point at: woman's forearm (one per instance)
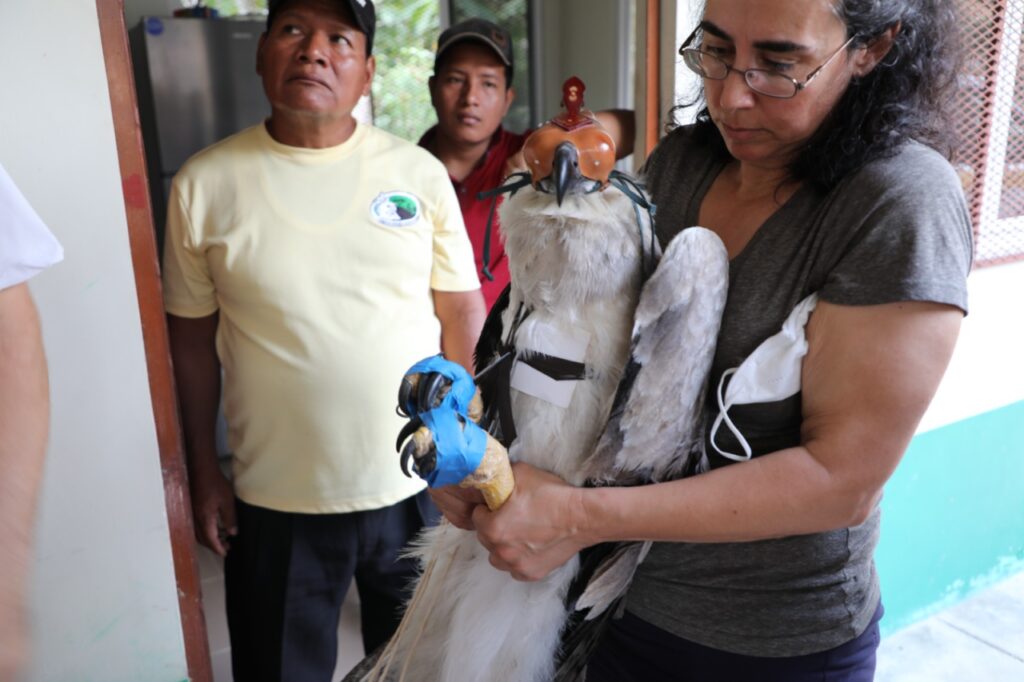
(786, 493)
(867, 379)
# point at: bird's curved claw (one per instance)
(423, 463)
(421, 392)
(431, 393)
(405, 390)
(406, 456)
(414, 424)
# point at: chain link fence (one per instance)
(990, 125)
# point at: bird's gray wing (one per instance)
(654, 428)
(612, 576)
(593, 599)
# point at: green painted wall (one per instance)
(953, 516)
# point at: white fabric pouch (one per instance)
(26, 246)
(769, 374)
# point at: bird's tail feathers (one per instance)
(611, 579)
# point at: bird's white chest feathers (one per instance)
(558, 437)
(577, 270)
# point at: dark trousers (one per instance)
(633, 649)
(286, 576)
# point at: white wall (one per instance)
(987, 370)
(682, 84)
(584, 38)
(104, 602)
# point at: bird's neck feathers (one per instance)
(573, 256)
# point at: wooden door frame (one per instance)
(648, 83)
(142, 241)
(652, 76)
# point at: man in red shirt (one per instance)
(471, 91)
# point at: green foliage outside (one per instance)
(404, 46)
(229, 8)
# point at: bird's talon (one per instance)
(412, 427)
(421, 392)
(406, 456)
(405, 391)
(423, 462)
(433, 390)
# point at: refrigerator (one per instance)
(197, 84)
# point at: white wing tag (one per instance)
(545, 338)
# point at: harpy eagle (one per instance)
(596, 367)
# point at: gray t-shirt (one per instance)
(898, 229)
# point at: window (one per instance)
(230, 8)
(406, 37)
(990, 106)
(404, 45)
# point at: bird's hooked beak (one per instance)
(565, 170)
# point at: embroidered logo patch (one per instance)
(395, 209)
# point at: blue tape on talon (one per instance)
(462, 389)
(459, 442)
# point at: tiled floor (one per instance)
(979, 640)
(211, 571)
(350, 642)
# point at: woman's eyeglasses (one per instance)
(763, 81)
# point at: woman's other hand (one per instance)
(457, 504)
(541, 526)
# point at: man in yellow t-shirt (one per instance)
(312, 260)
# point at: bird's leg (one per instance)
(425, 392)
(476, 407)
(493, 476)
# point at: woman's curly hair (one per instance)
(907, 95)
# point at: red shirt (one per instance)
(487, 174)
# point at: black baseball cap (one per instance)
(481, 31)
(363, 11)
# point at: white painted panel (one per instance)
(583, 38)
(987, 370)
(685, 85)
(103, 601)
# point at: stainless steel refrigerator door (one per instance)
(204, 83)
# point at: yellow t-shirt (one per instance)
(321, 263)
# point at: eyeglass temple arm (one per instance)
(814, 74)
